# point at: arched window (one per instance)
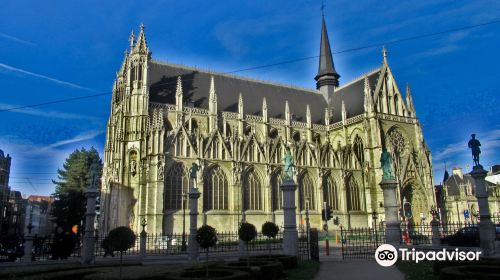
(252, 192)
(277, 198)
(330, 193)
(176, 183)
(306, 193)
(215, 190)
(359, 149)
(353, 195)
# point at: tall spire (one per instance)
(178, 94)
(141, 44)
(409, 101)
(384, 54)
(327, 78)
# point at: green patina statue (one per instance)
(289, 165)
(386, 162)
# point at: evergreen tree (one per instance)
(74, 177)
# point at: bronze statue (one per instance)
(386, 161)
(289, 165)
(193, 171)
(94, 175)
(474, 145)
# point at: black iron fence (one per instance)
(70, 247)
(361, 243)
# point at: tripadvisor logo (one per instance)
(387, 255)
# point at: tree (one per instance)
(270, 230)
(73, 178)
(206, 236)
(247, 232)
(121, 239)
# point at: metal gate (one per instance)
(360, 243)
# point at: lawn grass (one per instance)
(417, 271)
(306, 270)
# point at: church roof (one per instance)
(353, 96)
(162, 79)
(326, 66)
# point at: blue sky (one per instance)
(51, 50)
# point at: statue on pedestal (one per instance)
(386, 161)
(193, 173)
(94, 175)
(289, 165)
(474, 145)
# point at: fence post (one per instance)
(290, 235)
(486, 226)
(436, 241)
(28, 245)
(193, 247)
(143, 239)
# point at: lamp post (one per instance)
(184, 198)
(375, 217)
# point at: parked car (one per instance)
(466, 236)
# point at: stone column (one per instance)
(28, 245)
(88, 252)
(193, 247)
(143, 240)
(290, 235)
(486, 226)
(436, 240)
(393, 227)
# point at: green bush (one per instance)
(215, 273)
(270, 229)
(270, 270)
(247, 232)
(287, 261)
(470, 272)
(121, 239)
(206, 236)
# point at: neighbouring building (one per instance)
(38, 215)
(458, 196)
(165, 117)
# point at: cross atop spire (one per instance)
(327, 75)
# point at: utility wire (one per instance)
(390, 42)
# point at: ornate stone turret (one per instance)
(368, 97)
(288, 116)
(344, 113)
(409, 102)
(327, 117)
(264, 110)
(212, 106)
(327, 78)
(178, 94)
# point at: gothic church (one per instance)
(164, 117)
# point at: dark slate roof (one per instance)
(326, 66)
(353, 95)
(162, 80)
(454, 183)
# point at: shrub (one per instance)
(270, 229)
(206, 237)
(247, 232)
(121, 239)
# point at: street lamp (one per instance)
(184, 198)
(374, 218)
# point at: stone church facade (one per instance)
(165, 117)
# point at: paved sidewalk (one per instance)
(356, 269)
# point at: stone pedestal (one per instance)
(393, 227)
(436, 240)
(290, 235)
(142, 244)
(193, 247)
(28, 248)
(88, 252)
(486, 226)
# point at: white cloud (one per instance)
(46, 113)
(9, 68)
(87, 135)
(490, 143)
(16, 39)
